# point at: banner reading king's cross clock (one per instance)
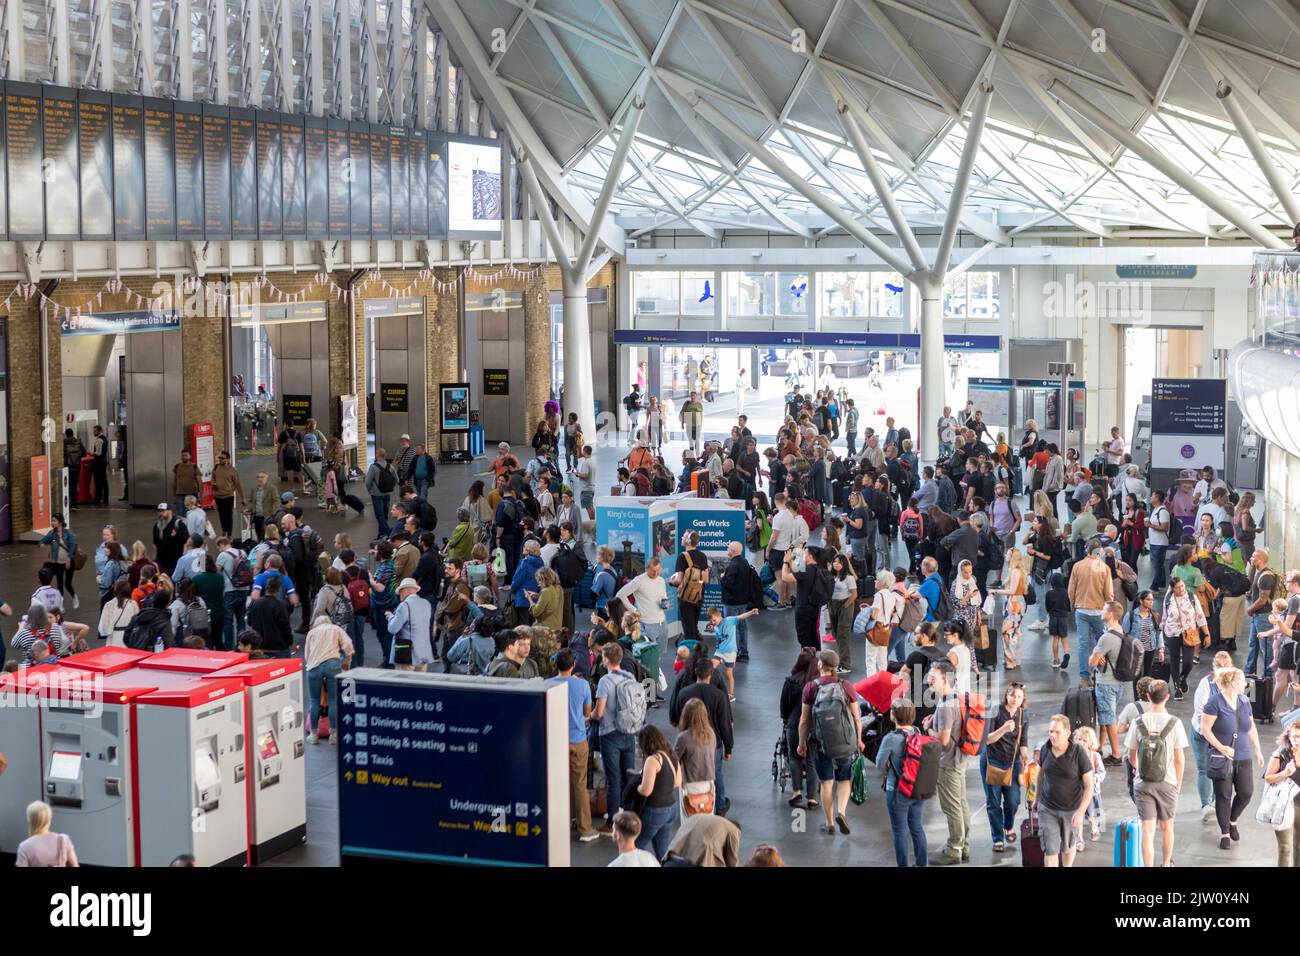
(1188, 422)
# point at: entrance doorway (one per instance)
(1157, 353)
(395, 340)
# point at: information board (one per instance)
(297, 409)
(62, 186)
(399, 183)
(359, 149)
(992, 396)
(270, 197)
(316, 173)
(381, 215)
(394, 397)
(417, 160)
(293, 178)
(1189, 422)
(496, 381)
(216, 171)
(128, 167)
(340, 180)
(243, 174)
(188, 139)
(473, 189)
(440, 768)
(23, 155)
(454, 405)
(159, 170)
(95, 172)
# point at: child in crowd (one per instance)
(332, 503)
(683, 655)
(1086, 738)
(724, 628)
(1059, 613)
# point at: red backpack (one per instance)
(972, 724)
(358, 590)
(919, 776)
(642, 481)
(810, 513)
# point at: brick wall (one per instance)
(26, 439)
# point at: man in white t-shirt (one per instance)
(1157, 800)
(1158, 524)
(650, 592)
(1204, 489)
(782, 533)
(583, 476)
(1114, 451)
(627, 827)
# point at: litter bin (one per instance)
(647, 654)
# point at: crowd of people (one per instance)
(913, 588)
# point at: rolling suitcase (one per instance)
(1031, 842)
(647, 654)
(1081, 707)
(355, 503)
(1260, 692)
(582, 596)
(1128, 842)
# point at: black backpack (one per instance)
(569, 566)
(386, 479)
(286, 552)
(145, 630)
(821, 587)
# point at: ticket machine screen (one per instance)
(63, 785)
(267, 747)
(207, 778)
(64, 765)
(268, 756)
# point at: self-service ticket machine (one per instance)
(191, 750)
(20, 740)
(277, 787)
(187, 661)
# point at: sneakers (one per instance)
(1207, 813)
(313, 738)
(943, 859)
(845, 670)
(76, 602)
(589, 837)
(334, 738)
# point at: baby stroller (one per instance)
(781, 761)
(874, 727)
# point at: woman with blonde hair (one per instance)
(1228, 725)
(548, 601)
(696, 751)
(632, 626)
(1013, 590)
(1043, 509)
(43, 848)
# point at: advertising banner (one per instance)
(40, 493)
(718, 522)
(203, 448)
(455, 406)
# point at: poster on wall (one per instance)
(992, 396)
(40, 466)
(1188, 422)
(454, 403)
(624, 526)
(348, 421)
(203, 448)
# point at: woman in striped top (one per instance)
(37, 626)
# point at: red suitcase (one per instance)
(1031, 843)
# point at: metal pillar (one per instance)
(933, 385)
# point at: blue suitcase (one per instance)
(1128, 842)
(583, 597)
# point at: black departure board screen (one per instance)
(381, 223)
(128, 167)
(216, 172)
(399, 184)
(295, 188)
(188, 150)
(159, 170)
(243, 175)
(415, 152)
(95, 148)
(340, 180)
(316, 153)
(62, 189)
(270, 210)
(359, 144)
(436, 187)
(23, 149)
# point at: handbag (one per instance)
(1219, 767)
(1277, 806)
(982, 634)
(879, 635)
(79, 560)
(697, 797)
(1002, 776)
(1192, 637)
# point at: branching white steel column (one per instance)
(144, 79)
(630, 123)
(56, 28)
(99, 73)
(15, 63)
(282, 72)
(218, 56)
(1246, 130)
(933, 381)
(313, 50)
(340, 31)
(182, 73)
(250, 18)
(419, 111)
(1161, 163)
(442, 86)
(369, 54)
(969, 150)
(394, 29)
(879, 181)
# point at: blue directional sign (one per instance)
(443, 769)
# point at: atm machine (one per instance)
(1246, 451)
(1140, 446)
(277, 790)
(20, 740)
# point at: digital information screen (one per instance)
(243, 174)
(159, 170)
(95, 147)
(62, 183)
(128, 167)
(188, 137)
(23, 154)
(473, 190)
(216, 172)
(1189, 419)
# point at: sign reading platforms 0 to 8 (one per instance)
(438, 768)
(1188, 422)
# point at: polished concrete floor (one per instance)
(758, 805)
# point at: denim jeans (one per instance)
(326, 674)
(852, 439)
(897, 644)
(422, 486)
(659, 634)
(905, 821)
(1040, 597)
(380, 504)
(658, 824)
(1259, 622)
(1001, 803)
(1158, 578)
(742, 632)
(618, 755)
(717, 774)
(236, 603)
(357, 631)
(1204, 787)
(1090, 631)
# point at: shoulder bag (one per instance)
(1002, 776)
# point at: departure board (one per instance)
(159, 170)
(340, 180)
(23, 139)
(128, 167)
(416, 162)
(243, 174)
(381, 223)
(188, 150)
(436, 187)
(62, 189)
(270, 208)
(216, 172)
(399, 184)
(316, 152)
(292, 162)
(95, 148)
(359, 144)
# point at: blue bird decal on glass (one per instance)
(894, 288)
(707, 293)
(797, 290)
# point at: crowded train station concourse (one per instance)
(606, 433)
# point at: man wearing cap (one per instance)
(405, 454)
(505, 462)
(263, 502)
(169, 537)
(410, 623)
